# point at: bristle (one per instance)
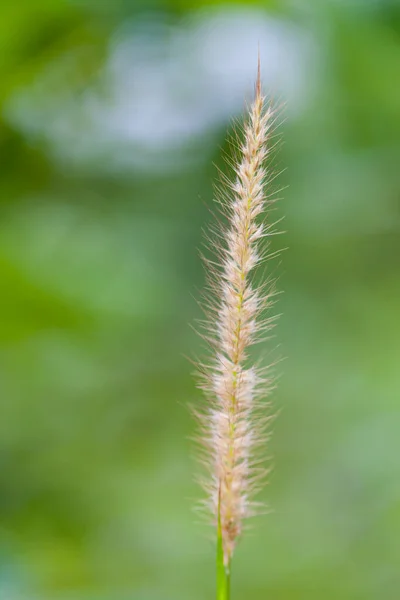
(232, 427)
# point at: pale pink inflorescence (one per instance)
(233, 427)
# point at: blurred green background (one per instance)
(112, 115)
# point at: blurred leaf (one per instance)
(25, 307)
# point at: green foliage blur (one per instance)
(112, 115)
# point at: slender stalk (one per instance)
(223, 572)
(223, 580)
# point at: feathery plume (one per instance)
(233, 423)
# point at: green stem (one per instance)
(223, 572)
(223, 584)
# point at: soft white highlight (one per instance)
(169, 83)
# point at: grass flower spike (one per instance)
(233, 423)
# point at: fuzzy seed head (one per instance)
(233, 424)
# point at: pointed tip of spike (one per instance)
(258, 82)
